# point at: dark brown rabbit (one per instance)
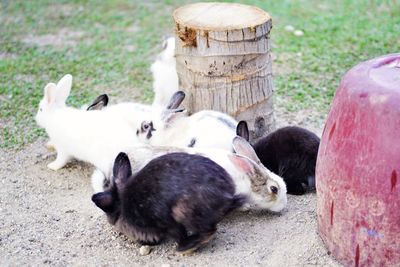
(177, 195)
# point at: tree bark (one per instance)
(224, 62)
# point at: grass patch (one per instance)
(108, 46)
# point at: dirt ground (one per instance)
(49, 219)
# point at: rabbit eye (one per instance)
(40, 109)
(145, 126)
(274, 189)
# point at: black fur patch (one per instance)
(176, 100)
(242, 130)
(100, 102)
(149, 134)
(192, 142)
(146, 128)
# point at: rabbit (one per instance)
(165, 77)
(177, 195)
(92, 136)
(264, 189)
(203, 129)
(291, 152)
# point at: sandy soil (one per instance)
(49, 219)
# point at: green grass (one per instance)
(116, 41)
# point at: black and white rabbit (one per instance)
(177, 195)
(203, 129)
(291, 152)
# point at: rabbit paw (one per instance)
(55, 165)
(58, 163)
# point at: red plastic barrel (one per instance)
(358, 167)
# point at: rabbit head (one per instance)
(162, 118)
(108, 200)
(168, 46)
(269, 188)
(55, 96)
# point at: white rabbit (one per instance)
(165, 78)
(264, 189)
(95, 137)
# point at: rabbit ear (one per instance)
(242, 130)
(242, 163)
(122, 169)
(176, 100)
(64, 88)
(243, 148)
(104, 200)
(165, 43)
(169, 115)
(99, 103)
(50, 92)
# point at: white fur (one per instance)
(97, 179)
(165, 78)
(210, 129)
(133, 113)
(95, 137)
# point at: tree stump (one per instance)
(224, 62)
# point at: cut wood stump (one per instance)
(224, 62)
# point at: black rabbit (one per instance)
(176, 195)
(291, 152)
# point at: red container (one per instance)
(358, 167)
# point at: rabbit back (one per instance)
(94, 137)
(291, 152)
